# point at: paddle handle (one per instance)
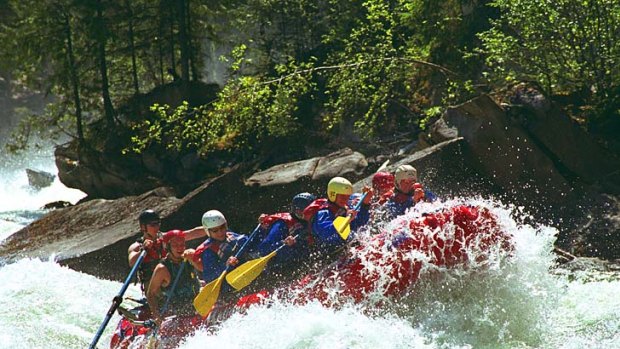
(360, 202)
(245, 244)
(116, 301)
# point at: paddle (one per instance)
(152, 340)
(117, 300)
(247, 272)
(342, 223)
(209, 294)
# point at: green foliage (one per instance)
(567, 46)
(247, 112)
(59, 47)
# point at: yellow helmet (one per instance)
(404, 172)
(338, 185)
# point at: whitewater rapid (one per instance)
(520, 302)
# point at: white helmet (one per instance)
(404, 172)
(213, 219)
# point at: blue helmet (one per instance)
(300, 202)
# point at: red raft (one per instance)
(389, 263)
(386, 264)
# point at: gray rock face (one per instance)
(346, 163)
(92, 237)
(39, 179)
(506, 153)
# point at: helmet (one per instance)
(338, 185)
(300, 202)
(405, 172)
(213, 219)
(383, 180)
(173, 234)
(148, 216)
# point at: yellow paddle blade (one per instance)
(209, 294)
(247, 272)
(342, 226)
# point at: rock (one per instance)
(504, 151)
(39, 179)
(91, 237)
(576, 154)
(56, 204)
(345, 162)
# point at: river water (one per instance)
(525, 301)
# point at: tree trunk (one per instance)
(74, 81)
(183, 39)
(173, 65)
(103, 69)
(191, 53)
(132, 48)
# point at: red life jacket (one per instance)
(268, 220)
(213, 245)
(320, 204)
(151, 259)
(156, 252)
(291, 222)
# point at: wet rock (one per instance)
(39, 179)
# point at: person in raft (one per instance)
(286, 228)
(407, 192)
(217, 253)
(322, 212)
(383, 184)
(173, 287)
(151, 241)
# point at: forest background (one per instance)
(300, 73)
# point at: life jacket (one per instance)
(188, 286)
(316, 206)
(218, 247)
(150, 261)
(293, 224)
(320, 204)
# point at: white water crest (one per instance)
(20, 204)
(518, 301)
(45, 305)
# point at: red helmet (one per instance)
(383, 180)
(173, 234)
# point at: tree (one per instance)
(568, 46)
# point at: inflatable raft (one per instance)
(386, 264)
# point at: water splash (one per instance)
(20, 204)
(44, 305)
(519, 302)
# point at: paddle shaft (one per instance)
(341, 230)
(117, 300)
(167, 302)
(245, 244)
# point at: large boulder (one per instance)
(505, 152)
(94, 236)
(577, 154)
